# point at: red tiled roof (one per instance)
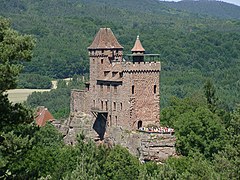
(105, 39)
(43, 115)
(138, 46)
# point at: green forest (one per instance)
(192, 47)
(200, 88)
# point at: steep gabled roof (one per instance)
(43, 115)
(105, 39)
(138, 46)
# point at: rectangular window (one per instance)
(110, 119)
(121, 74)
(115, 89)
(133, 89)
(106, 103)
(155, 89)
(102, 105)
(94, 103)
(114, 74)
(101, 87)
(121, 106)
(108, 88)
(114, 106)
(106, 73)
(116, 120)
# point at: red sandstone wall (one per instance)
(80, 101)
(144, 103)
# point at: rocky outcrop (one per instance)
(77, 123)
(146, 146)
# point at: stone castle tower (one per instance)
(120, 92)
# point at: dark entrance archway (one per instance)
(100, 124)
(139, 124)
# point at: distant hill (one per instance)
(192, 47)
(212, 8)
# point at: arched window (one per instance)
(139, 124)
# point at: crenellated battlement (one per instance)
(142, 66)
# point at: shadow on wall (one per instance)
(100, 124)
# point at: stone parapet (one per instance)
(142, 67)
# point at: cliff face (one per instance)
(148, 147)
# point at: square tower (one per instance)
(120, 92)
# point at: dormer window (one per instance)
(121, 74)
(114, 74)
(106, 73)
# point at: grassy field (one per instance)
(20, 95)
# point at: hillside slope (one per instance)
(192, 47)
(212, 8)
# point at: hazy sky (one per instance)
(236, 2)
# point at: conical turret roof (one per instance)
(105, 39)
(138, 46)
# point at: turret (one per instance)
(138, 51)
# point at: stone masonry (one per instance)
(121, 96)
(120, 92)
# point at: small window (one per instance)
(114, 106)
(121, 106)
(108, 88)
(101, 61)
(101, 87)
(115, 89)
(102, 51)
(94, 103)
(133, 89)
(121, 74)
(106, 73)
(110, 119)
(106, 103)
(139, 124)
(102, 105)
(116, 120)
(93, 88)
(87, 86)
(155, 89)
(93, 61)
(114, 74)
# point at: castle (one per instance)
(120, 92)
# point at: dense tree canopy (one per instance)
(192, 49)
